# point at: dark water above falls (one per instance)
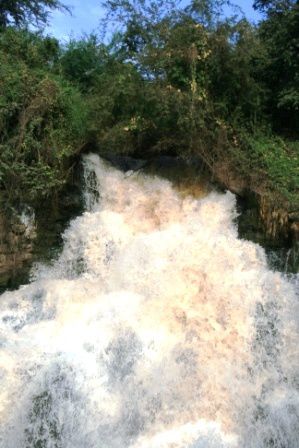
(157, 327)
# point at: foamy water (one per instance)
(156, 328)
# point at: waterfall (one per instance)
(157, 327)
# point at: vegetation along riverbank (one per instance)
(182, 81)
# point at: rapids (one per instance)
(157, 327)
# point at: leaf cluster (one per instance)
(42, 118)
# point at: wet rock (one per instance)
(28, 235)
(125, 163)
(15, 244)
(295, 230)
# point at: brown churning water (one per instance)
(156, 328)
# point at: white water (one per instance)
(157, 327)
(27, 218)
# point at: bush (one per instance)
(43, 122)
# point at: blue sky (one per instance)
(86, 15)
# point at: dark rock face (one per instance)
(268, 224)
(27, 236)
(295, 230)
(125, 163)
(272, 215)
(16, 245)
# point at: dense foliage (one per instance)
(43, 118)
(183, 80)
(21, 12)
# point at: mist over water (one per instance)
(156, 328)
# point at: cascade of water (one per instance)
(156, 328)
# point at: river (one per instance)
(157, 327)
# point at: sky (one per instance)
(86, 15)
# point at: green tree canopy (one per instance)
(274, 5)
(23, 12)
(279, 34)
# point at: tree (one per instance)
(83, 60)
(233, 70)
(43, 118)
(207, 12)
(279, 34)
(270, 6)
(22, 12)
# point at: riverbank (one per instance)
(21, 246)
